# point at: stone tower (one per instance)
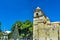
(39, 22)
(43, 29)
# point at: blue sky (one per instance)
(21, 10)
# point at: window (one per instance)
(36, 14)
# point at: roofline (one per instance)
(55, 22)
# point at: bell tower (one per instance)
(38, 12)
(39, 20)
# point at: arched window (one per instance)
(37, 14)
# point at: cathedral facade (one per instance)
(43, 29)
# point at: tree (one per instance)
(10, 35)
(19, 23)
(25, 28)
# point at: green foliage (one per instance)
(25, 28)
(10, 35)
(1, 33)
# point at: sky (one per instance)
(21, 10)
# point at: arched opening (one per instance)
(36, 14)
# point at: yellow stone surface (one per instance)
(42, 27)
